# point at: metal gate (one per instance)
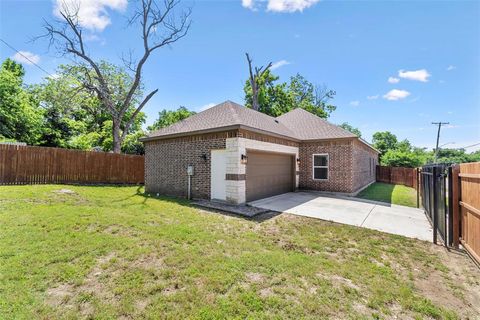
(434, 200)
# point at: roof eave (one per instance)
(218, 129)
(189, 133)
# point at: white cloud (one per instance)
(393, 80)
(289, 5)
(396, 94)
(417, 75)
(375, 97)
(450, 68)
(207, 106)
(355, 103)
(279, 64)
(248, 4)
(92, 14)
(26, 57)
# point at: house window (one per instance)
(320, 167)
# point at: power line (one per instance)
(20, 53)
(472, 145)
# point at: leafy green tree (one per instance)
(351, 128)
(384, 141)
(404, 145)
(132, 145)
(455, 156)
(168, 117)
(20, 119)
(314, 99)
(276, 98)
(74, 117)
(401, 158)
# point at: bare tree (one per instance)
(160, 26)
(255, 75)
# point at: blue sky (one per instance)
(430, 50)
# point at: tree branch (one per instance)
(137, 110)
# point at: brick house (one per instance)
(238, 155)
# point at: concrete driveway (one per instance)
(405, 221)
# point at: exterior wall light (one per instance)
(243, 159)
(298, 161)
(204, 156)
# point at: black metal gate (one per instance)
(434, 200)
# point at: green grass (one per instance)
(391, 193)
(111, 252)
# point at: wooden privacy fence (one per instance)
(466, 207)
(397, 175)
(39, 165)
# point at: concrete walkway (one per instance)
(405, 221)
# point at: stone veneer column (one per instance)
(235, 184)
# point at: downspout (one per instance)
(189, 186)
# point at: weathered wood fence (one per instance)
(397, 175)
(466, 207)
(40, 165)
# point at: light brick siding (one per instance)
(340, 177)
(365, 160)
(166, 164)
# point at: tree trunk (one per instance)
(254, 86)
(254, 95)
(117, 140)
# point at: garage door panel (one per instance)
(268, 174)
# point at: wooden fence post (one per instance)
(456, 204)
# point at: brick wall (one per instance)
(340, 166)
(166, 164)
(365, 160)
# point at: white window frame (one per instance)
(314, 166)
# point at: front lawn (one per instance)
(69, 252)
(391, 193)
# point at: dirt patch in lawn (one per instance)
(453, 284)
(66, 195)
(69, 296)
(458, 288)
(98, 284)
(122, 231)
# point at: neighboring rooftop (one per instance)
(297, 124)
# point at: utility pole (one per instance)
(438, 137)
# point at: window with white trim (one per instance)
(320, 167)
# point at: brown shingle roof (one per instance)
(308, 126)
(297, 124)
(224, 115)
